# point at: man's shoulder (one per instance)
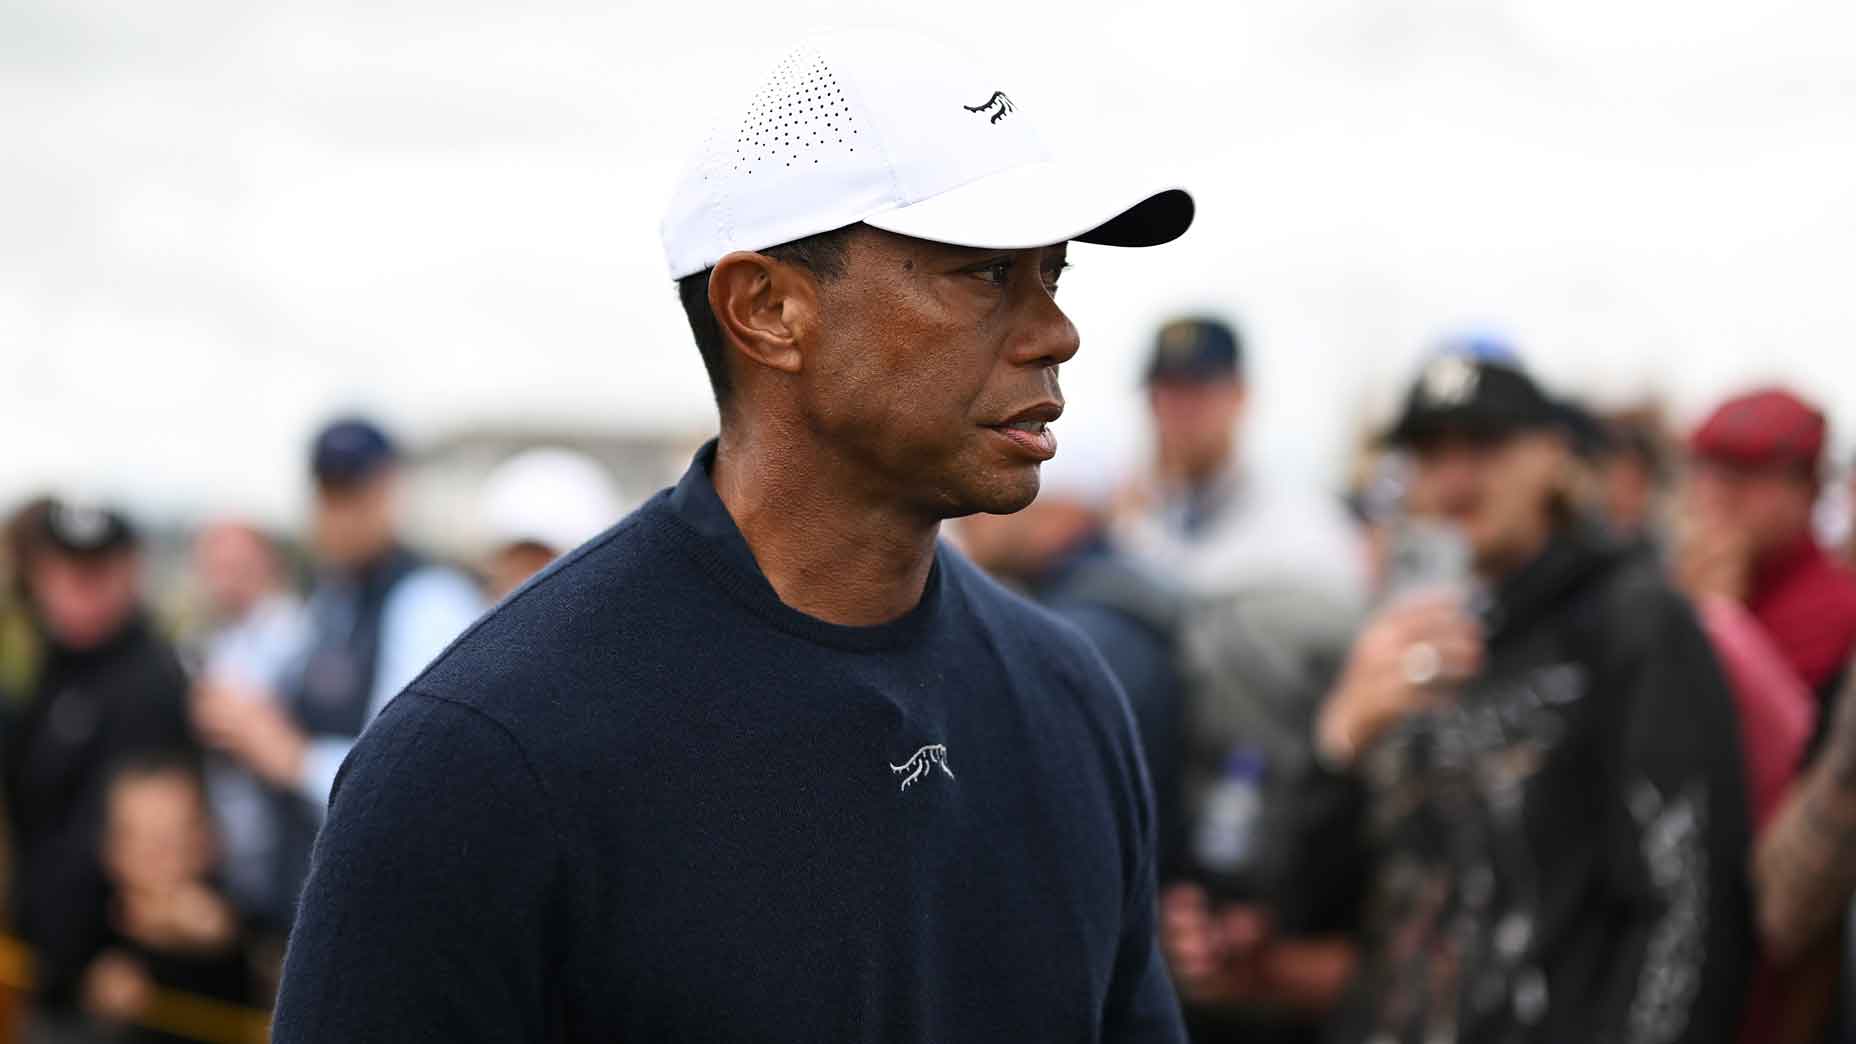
(152, 661)
(1037, 638)
(1821, 582)
(432, 581)
(1636, 593)
(1631, 613)
(1011, 617)
(1271, 534)
(1117, 582)
(572, 620)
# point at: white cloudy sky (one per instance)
(220, 219)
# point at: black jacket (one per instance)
(89, 710)
(1559, 855)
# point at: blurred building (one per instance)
(446, 474)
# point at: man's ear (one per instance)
(765, 309)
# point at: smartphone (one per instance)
(1426, 557)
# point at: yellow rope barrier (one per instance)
(15, 965)
(202, 1019)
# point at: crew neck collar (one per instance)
(716, 543)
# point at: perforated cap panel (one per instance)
(903, 132)
(799, 116)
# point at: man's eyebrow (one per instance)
(952, 252)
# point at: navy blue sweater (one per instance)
(644, 800)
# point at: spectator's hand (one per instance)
(1232, 957)
(189, 917)
(1402, 663)
(1219, 957)
(252, 729)
(1186, 938)
(1207, 956)
(1712, 559)
(115, 988)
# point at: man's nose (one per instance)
(1045, 336)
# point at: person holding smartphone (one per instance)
(1531, 779)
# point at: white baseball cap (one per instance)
(553, 497)
(903, 133)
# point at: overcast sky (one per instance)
(222, 219)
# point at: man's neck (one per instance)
(1203, 476)
(1493, 570)
(244, 609)
(359, 568)
(829, 550)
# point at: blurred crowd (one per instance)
(1536, 735)
(164, 783)
(1534, 732)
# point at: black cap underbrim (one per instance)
(1417, 428)
(1160, 218)
(1041, 204)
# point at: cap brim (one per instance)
(1041, 204)
(1413, 429)
(1194, 373)
(349, 476)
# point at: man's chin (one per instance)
(1005, 492)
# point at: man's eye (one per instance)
(1052, 275)
(997, 273)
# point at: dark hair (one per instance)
(24, 537)
(1636, 437)
(821, 254)
(156, 763)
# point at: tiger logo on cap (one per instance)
(998, 101)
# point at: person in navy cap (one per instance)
(378, 613)
(1210, 521)
(1276, 579)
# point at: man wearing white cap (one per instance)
(537, 506)
(766, 762)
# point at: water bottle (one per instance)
(1225, 843)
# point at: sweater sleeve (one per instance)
(1141, 1006)
(1677, 840)
(428, 908)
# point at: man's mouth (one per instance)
(1029, 430)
